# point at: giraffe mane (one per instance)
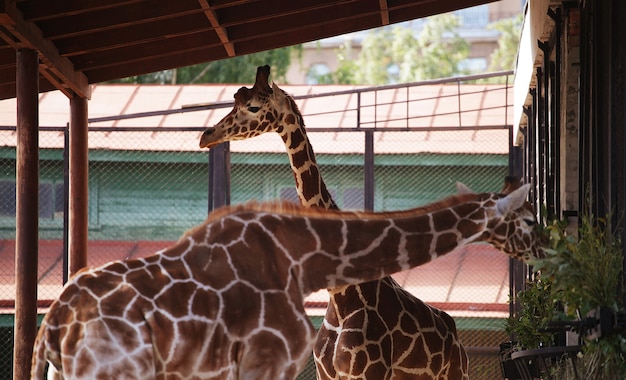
(294, 107)
(292, 103)
(290, 208)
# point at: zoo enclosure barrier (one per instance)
(380, 148)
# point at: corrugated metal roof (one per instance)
(432, 107)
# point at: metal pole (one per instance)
(368, 174)
(219, 176)
(79, 185)
(27, 211)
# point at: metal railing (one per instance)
(361, 107)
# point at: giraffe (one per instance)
(377, 321)
(226, 300)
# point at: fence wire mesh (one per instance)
(141, 199)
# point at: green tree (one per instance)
(345, 69)
(396, 54)
(435, 53)
(241, 69)
(503, 58)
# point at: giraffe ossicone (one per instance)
(226, 301)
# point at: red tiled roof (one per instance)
(429, 106)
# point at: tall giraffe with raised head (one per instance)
(226, 301)
(371, 330)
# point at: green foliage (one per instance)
(390, 55)
(537, 309)
(587, 270)
(582, 271)
(436, 53)
(504, 57)
(241, 69)
(345, 70)
(603, 359)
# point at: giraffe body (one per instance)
(375, 329)
(226, 301)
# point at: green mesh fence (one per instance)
(142, 199)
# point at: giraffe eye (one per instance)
(253, 109)
(530, 222)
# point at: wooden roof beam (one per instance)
(219, 29)
(384, 11)
(21, 34)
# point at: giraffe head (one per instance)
(513, 227)
(515, 231)
(257, 110)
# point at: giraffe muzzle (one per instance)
(207, 139)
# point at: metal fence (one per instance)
(143, 197)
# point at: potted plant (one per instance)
(587, 276)
(527, 328)
(580, 276)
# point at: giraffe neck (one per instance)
(344, 248)
(311, 188)
(374, 249)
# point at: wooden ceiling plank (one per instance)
(151, 32)
(7, 74)
(36, 10)
(7, 87)
(102, 59)
(55, 81)
(7, 90)
(7, 58)
(150, 64)
(312, 32)
(28, 35)
(221, 31)
(384, 12)
(247, 13)
(314, 19)
(406, 10)
(220, 4)
(116, 18)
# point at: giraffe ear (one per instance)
(462, 189)
(513, 201)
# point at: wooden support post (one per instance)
(79, 185)
(27, 211)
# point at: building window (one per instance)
(393, 73)
(289, 194)
(7, 198)
(474, 17)
(353, 198)
(319, 73)
(473, 65)
(51, 200)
